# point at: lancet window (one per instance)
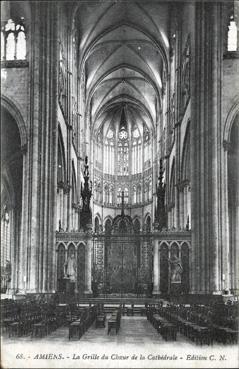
(122, 158)
(13, 40)
(232, 36)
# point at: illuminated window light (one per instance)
(232, 36)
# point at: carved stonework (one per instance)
(160, 213)
(14, 64)
(185, 90)
(62, 80)
(86, 193)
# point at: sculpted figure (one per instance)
(70, 268)
(176, 269)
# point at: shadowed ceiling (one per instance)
(123, 54)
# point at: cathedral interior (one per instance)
(120, 155)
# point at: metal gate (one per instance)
(122, 264)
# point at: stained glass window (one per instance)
(123, 153)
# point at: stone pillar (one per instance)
(205, 149)
(88, 263)
(37, 243)
(226, 269)
(215, 282)
(156, 271)
(23, 229)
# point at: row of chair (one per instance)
(82, 322)
(21, 318)
(198, 324)
(167, 330)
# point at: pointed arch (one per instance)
(12, 107)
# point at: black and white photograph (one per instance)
(119, 184)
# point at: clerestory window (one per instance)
(13, 40)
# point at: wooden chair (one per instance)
(76, 329)
(100, 321)
(40, 329)
(130, 310)
(14, 329)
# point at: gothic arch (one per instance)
(15, 112)
(232, 113)
(81, 260)
(136, 224)
(185, 260)
(164, 269)
(61, 257)
(61, 243)
(174, 248)
(71, 249)
(81, 243)
(161, 243)
(148, 222)
(12, 140)
(97, 224)
(108, 220)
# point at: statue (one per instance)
(70, 268)
(8, 270)
(176, 269)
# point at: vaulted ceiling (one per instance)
(123, 53)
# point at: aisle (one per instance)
(133, 330)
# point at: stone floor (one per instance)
(135, 337)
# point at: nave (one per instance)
(120, 149)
